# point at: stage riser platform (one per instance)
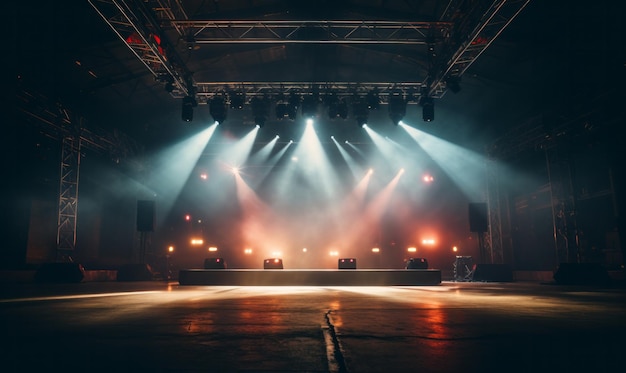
(278, 277)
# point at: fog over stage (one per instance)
(392, 193)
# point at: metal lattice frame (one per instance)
(68, 197)
(494, 210)
(58, 122)
(459, 42)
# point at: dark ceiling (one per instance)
(550, 55)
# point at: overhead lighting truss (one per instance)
(456, 42)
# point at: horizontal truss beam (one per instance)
(317, 32)
(205, 91)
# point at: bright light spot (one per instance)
(204, 176)
(294, 159)
(370, 171)
(428, 178)
(235, 170)
(247, 251)
(197, 241)
(309, 122)
(170, 249)
(291, 141)
(334, 253)
(199, 221)
(412, 249)
(304, 250)
(428, 241)
(364, 125)
(257, 126)
(188, 217)
(277, 137)
(332, 137)
(375, 250)
(212, 249)
(276, 260)
(401, 170)
(346, 142)
(455, 249)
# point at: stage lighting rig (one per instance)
(293, 105)
(218, 109)
(360, 109)
(237, 100)
(309, 106)
(373, 99)
(260, 110)
(397, 108)
(189, 103)
(428, 108)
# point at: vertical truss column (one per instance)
(563, 205)
(68, 197)
(494, 211)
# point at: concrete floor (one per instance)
(451, 327)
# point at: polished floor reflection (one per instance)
(158, 326)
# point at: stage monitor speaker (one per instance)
(60, 272)
(214, 263)
(582, 274)
(417, 263)
(478, 218)
(346, 263)
(273, 263)
(145, 216)
(135, 272)
(493, 273)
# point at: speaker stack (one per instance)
(60, 272)
(417, 263)
(273, 263)
(593, 274)
(214, 263)
(346, 263)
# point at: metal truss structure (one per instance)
(151, 28)
(60, 123)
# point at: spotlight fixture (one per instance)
(373, 99)
(338, 109)
(293, 105)
(397, 108)
(237, 100)
(309, 106)
(218, 109)
(260, 110)
(360, 109)
(189, 103)
(281, 111)
(428, 108)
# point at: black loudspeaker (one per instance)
(493, 273)
(135, 272)
(145, 216)
(346, 263)
(582, 274)
(273, 263)
(417, 263)
(60, 272)
(214, 263)
(478, 219)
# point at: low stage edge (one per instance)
(283, 277)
